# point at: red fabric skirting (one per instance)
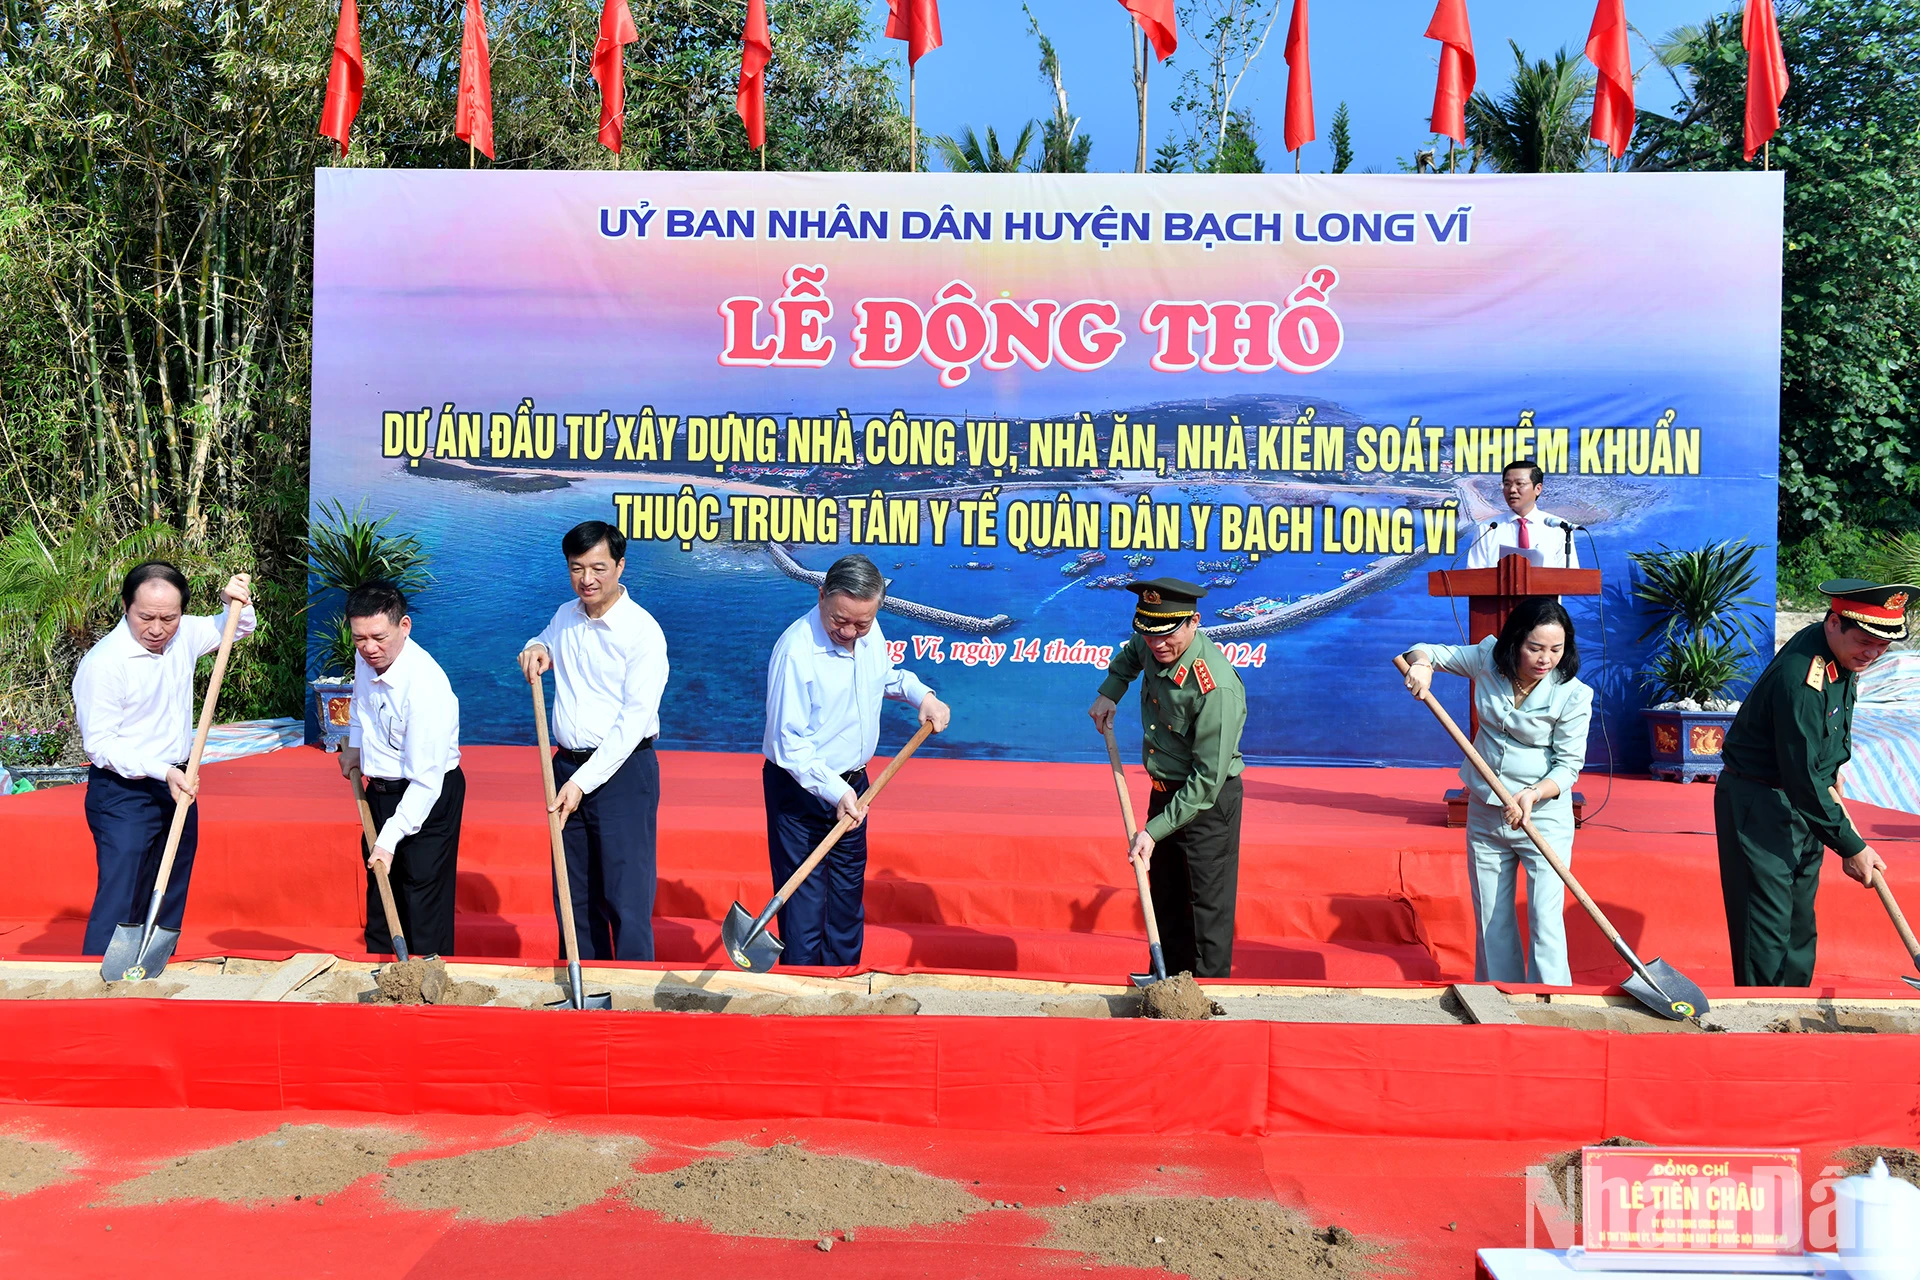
(1037, 1075)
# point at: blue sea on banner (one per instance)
(1325, 693)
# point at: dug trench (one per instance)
(729, 992)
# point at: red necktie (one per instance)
(1526, 538)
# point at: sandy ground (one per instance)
(537, 1177)
(1208, 1239)
(27, 1166)
(308, 1161)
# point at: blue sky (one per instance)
(1371, 53)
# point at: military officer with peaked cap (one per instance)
(1773, 810)
(1192, 708)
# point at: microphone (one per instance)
(1566, 558)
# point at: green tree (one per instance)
(1849, 143)
(968, 154)
(1169, 157)
(1063, 148)
(1341, 136)
(1539, 125)
(1239, 150)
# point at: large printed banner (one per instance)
(1018, 394)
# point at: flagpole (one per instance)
(1146, 62)
(470, 150)
(913, 120)
(1766, 155)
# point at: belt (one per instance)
(581, 757)
(386, 786)
(1159, 785)
(851, 774)
(1747, 777)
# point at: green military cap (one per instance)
(1879, 610)
(1165, 604)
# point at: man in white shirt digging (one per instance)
(404, 735)
(829, 673)
(133, 697)
(609, 663)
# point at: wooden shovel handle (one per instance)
(207, 706)
(1540, 842)
(569, 938)
(1885, 890)
(841, 827)
(1126, 818)
(373, 839)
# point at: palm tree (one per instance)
(1537, 125)
(967, 155)
(63, 589)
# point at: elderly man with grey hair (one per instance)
(825, 683)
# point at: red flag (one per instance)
(1455, 86)
(1766, 72)
(1157, 20)
(346, 80)
(473, 118)
(609, 68)
(756, 50)
(917, 22)
(1613, 91)
(1299, 130)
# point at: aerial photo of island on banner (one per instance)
(1019, 394)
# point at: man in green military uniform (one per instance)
(1192, 707)
(1774, 809)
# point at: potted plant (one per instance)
(344, 549)
(1701, 611)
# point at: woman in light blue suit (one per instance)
(1533, 732)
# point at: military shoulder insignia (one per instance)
(1816, 675)
(1833, 674)
(1179, 676)
(1202, 675)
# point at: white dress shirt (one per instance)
(608, 675)
(406, 723)
(1549, 534)
(135, 707)
(823, 703)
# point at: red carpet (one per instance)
(1347, 875)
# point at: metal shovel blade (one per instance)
(1671, 995)
(1912, 982)
(128, 960)
(749, 949)
(578, 997)
(1159, 965)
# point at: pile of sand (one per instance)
(785, 1191)
(546, 1174)
(1179, 997)
(1208, 1239)
(28, 1166)
(1901, 1163)
(1564, 1172)
(292, 1162)
(412, 982)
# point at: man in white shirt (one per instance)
(404, 735)
(829, 672)
(609, 662)
(133, 696)
(1528, 528)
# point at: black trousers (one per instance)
(610, 859)
(129, 818)
(1195, 878)
(825, 922)
(422, 874)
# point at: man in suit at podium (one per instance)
(1528, 529)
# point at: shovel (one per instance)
(1155, 960)
(1881, 887)
(138, 951)
(578, 997)
(379, 868)
(745, 937)
(1656, 984)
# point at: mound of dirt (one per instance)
(412, 982)
(1563, 1172)
(787, 1192)
(1208, 1239)
(468, 993)
(292, 1161)
(1179, 997)
(546, 1174)
(28, 1166)
(1901, 1163)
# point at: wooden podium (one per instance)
(1491, 595)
